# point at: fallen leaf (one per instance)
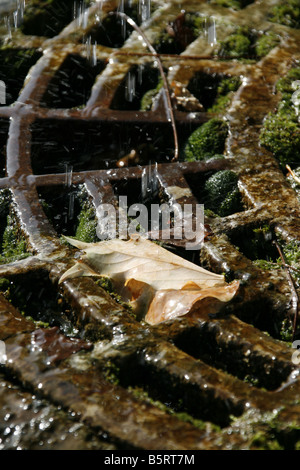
(159, 284)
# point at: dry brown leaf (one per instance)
(158, 283)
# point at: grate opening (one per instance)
(5, 201)
(208, 343)
(218, 191)
(47, 18)
(255, 242)
(70, 210)
(261, 314)
(176, 395)
(114, 31)
(15, 65)
(92, 145)
(4, 125)
(71, 85)
(35, 297)
(213, 90)
(131, 94)
(179, 33)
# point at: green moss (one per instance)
(248, 45)
(265, 265)
(13, 243)
(141, 394)
(111, 372)
(238, 45)
(4, 285)
(225, 90)
(280, 133)
(281, 136)
(222, 194)
(206, 141)
(86, 229)
(286, 330)
(284, 84)
(149, 97)
(107, 285)
(266, 43)
(265, 441)
(291, 252)
(286, 13)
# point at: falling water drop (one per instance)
(88, 43)
(121, 9)
(94, 58)
(68, 175)
(211, 33)
(140, 73)
(71, 206)
(149, 182)
(8, 26)
(166, 105)
(144, 10)
(130, 87)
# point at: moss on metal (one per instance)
(247, 44)
(206, 141)
(286, 13)
(222, 195)
(13, 243)
(225, 91)
(281, 130)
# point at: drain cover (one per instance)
(83, 119)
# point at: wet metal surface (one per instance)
(99, 388)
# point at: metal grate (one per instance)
(97, 378)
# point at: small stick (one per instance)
(293, 174)
(295, 295)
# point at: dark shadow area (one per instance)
(71, 85)
(15, 65)
(85, 145)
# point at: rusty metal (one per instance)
(199, 366)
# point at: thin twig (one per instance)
(293, 174)
(291, 281)
(163, 75)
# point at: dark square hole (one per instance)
(44, 18)
(85, 145)
(71, 85)
(15, 65)
(4, 125)
(135, 85)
